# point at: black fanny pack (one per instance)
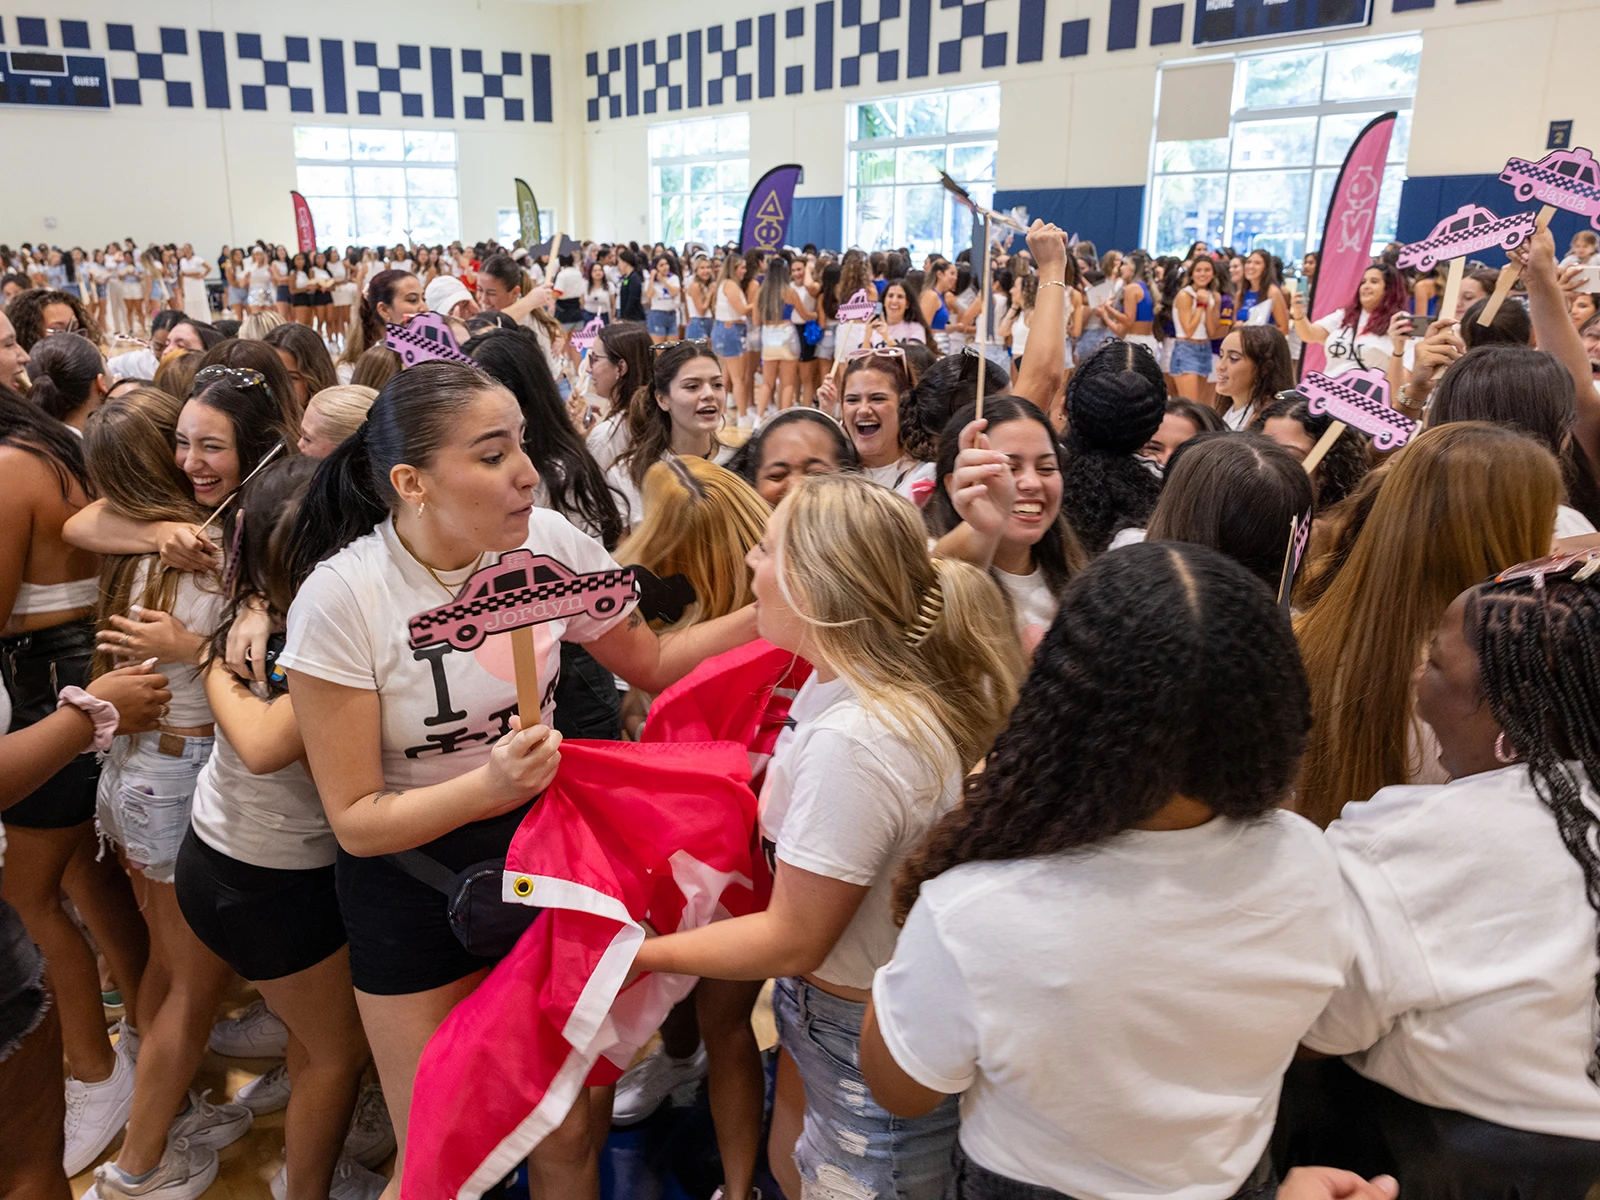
(483, 922)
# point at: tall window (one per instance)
(699, 177)
(379, 187)
(898, 146)
(508, 224)
(1269, 181)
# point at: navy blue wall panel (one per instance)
(1107, 216)
(818, 219)
(1425, 200)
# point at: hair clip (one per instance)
(1580, 565)
(928, 613)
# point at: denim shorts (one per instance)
(850, 1145)
(23, 996)
(238, 295)
(146, 792)
(1091, 340)
(698, 327)
(661, 323)
(727, 338)
(1191, 358)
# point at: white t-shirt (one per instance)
(1473, 982)
(1119, 1019)
(1343, 346)
(198, 603)
(1237, 419)
(902, 475)
(442, 709)
(661, 299)
(135, 364)
(609, 438)
(848, 795)
(569, 282)
(1032, 597)
(274, 820)
(1572, 523)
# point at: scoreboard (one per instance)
(64, 80)
(1239, 20)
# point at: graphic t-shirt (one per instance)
(442, 709)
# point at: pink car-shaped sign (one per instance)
(1568, 179)
(523, 588)
(1360, 399)
(1471, 229)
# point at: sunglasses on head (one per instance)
(875, 352)
(660, 346)
(244, 377)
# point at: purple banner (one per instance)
(767, 211)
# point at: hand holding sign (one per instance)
(859, 307)
(1566, 179)
(1359, 398)
(586, 337)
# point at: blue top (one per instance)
(1246, 303)
(882, 285)
(1146, 311)
(942, 317)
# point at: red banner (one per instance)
(303, 225)
(1347, 237)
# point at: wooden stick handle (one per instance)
(526, 661)
(1510, 272)
(1452, 289)
(1324, 444)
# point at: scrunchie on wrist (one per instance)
(102, 712)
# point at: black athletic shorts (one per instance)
(400, 937)
(35, 666)
(263, 922)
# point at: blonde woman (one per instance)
(916, 669)
(729, 330)
(777, 303)
(332, 415)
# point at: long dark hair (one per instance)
(1058, 552)
(1347, 461)
(62, 371)
(1535, 645)
(366, 326)
(257, 356)
(1115, 403)
(1268, 350)
(257, 531)
(577, 487)
(1393, 300)
(309, 351)
(351, 493)
(253, 415)
(25, 427)
(650, 425)
(1155, 651)
(1235, 493)
(942, 390)
(627, 343)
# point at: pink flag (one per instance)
(1347, 237)
(662, 831)
(305, 229)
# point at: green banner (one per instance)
(528, 213)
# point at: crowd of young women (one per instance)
(1095, 827)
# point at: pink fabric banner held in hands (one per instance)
(1347, 237)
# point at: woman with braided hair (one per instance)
(1116, 942)
(916, 667)
(1470, 1010)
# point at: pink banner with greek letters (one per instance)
(304, 229)
(1347, 237)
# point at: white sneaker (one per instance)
(755, 1194)
(351, 1181)
(267, 1093)
(127, 1039)
(210, 1125)
(254, 1033)
(643, 1089)
(371, 1136)
(184, 1172)
(96, 1113)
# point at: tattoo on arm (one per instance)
(380, 795)
(635, 619)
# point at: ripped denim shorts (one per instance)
(851, 1149)
(146, 791)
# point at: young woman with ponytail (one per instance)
(422, 749)
(1113, 945)
(916, 668)
(68, 379)
(679, 413)
(1470, 1010)
(389, 296)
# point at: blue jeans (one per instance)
(1089, 341)
(1191, 358)
(699, 327)
(145, 797)
(661, 323)
(848, 1141)
(727, 338)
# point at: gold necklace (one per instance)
(448, 590)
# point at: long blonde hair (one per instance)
(927, 643)
(1461, 502)
(699, 521)
(344, 407)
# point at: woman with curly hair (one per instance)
(1470, 1009)
(1115, 403)
(1289, 423)
(39, 312)
(915, 670)
(1114, 945)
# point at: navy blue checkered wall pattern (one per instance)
(243, 70)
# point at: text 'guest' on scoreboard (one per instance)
(62, 80)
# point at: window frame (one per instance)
(1242, 114)
(948, 246)
(350, 164)
(686, 162)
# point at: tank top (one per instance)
(724, 307)
(1146, 309)
(695, 310)
(940, 318)
(1197, 312)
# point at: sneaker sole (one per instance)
(215, 1137)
